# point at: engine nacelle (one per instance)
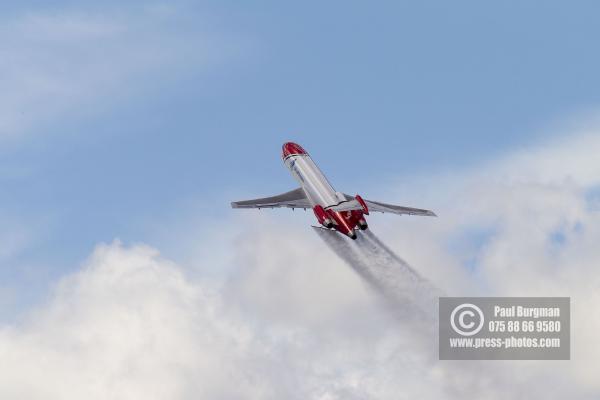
(362, 204)
(362, 224)
(322, 216)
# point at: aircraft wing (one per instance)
(382, 207)
(353, 204)
(293, 199)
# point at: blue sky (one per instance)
(120, 118)
(141, 121)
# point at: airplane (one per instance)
(333, 210)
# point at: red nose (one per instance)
(291, 148)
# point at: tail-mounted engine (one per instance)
(362, 203)
(322, 216)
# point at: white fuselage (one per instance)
(317, 188)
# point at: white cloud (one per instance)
(292, 321)
(523, 225)
(128, 325)
(131, 325)
(66, 65)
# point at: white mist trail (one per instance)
(408, 294)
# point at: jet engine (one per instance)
(363, 204)
(323, 217)
(362, 224)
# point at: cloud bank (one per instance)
(293, 321)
